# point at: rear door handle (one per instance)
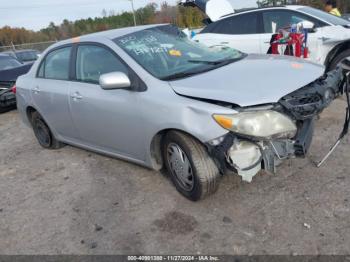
(36, 90)
(76, 96)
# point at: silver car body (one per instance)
(96, 124)
(129, 125)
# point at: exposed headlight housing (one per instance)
(264, 124)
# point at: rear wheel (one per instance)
(191, 169)
(43, 133)
(339, 58)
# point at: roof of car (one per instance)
(110, 34)
(114, 33)
(294, 7)
(244, 10)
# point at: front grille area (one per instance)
(309, 101)
(303, 107)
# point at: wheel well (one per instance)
(30, 110)
(335, 52)
(156, 147)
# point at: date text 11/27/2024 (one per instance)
(173, 258)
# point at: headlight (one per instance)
(264, 124)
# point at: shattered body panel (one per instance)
(312, 99)
(302, 105)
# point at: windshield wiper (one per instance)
(215, 64)
(179, 75)
(218, 62)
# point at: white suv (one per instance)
(251, 30)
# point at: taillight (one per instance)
(13, 89)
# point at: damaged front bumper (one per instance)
(248, 155)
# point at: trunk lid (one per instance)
(214, 9)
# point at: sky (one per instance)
(37, 14)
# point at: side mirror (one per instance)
(114, 80)
(310, 26)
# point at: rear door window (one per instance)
(238, 25)
(56, 64)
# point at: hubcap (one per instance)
(180, 166)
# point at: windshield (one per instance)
(167, 53)
(7, 62)
(27, 56)
(332, 19)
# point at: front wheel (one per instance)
(191, 169)
(339, 58)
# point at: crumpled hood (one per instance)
(254, 80)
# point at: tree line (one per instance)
(190, 17)
(183, 17)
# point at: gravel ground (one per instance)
(71, 201)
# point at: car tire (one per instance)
(191, 169)
(340, 57)
(43, 133)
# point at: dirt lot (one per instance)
(77, 202)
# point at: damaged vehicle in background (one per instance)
(10, 69)
(25, 56)
(151, 96)
(250, 30)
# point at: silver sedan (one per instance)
(151, 96)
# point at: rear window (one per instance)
(26, 56)
(56, 64)
(8, 62)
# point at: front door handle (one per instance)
(36, 90)
(323, 39)
(76, 96)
